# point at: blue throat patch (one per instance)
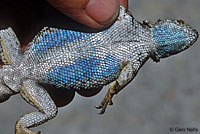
(169, 39)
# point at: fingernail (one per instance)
(103, 11)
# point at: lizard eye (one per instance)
(173, 36)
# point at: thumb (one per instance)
(102, 12)
(93, 13)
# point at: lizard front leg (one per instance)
(38, 97)
(128, 72)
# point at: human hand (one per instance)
(93, 13)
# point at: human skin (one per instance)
(93, 13)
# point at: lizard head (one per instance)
(171, 37)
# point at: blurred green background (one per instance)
(162, 95)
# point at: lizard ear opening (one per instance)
(172, 37)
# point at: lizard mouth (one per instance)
(196, 36)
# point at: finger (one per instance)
(93, 13)
(104, 12)
(124, 3)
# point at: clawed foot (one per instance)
(26, 132)
(108, 98)
(20, 129)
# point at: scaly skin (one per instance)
(84, 62)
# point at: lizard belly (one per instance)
(85, 73)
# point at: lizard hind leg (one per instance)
(39, 98)
(128, 72)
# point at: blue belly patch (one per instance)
(50, 38)
(85, 73)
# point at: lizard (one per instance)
(81, 62)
